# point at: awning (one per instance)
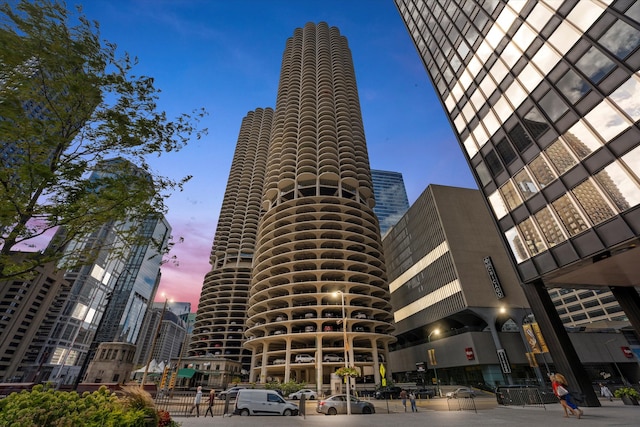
(186, 373)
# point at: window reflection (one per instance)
(549, 226)
(553, 105)
(515, 93)
(621, 188)
(581, 140)
(483, 174)
(515, 243)
(560, 156)
(497, 204)
(530, 77)
(470, 146)
(519, 138)
(593, 203)
(572, 86)
(525, 183)
(570, 216)
(621, 39)
(634, 12)
(542, 171)
(493, 162)
(531, 237)
(632, 161)
(606, 121)
(595, 65)
(539, 16)
(535, 123)
(546, 58)
(510, 195)
(506, 152)
(523, 37)
(627, 98)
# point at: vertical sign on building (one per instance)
(504, 361)
(495, 282)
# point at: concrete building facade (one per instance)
(318, 241)
(456, 299)
(28, 309)
(222, 312)
(542, 96)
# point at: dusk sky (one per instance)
(225, 56)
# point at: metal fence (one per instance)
(462, 404)
(525, 396)
(181, 404)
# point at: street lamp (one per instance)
(346, 349)
(153, 343)
(433, 362)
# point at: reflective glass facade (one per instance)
(391, 198)
(544, 97)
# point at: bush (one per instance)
(626, 392)
(44, 407)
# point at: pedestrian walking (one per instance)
(561, 390)
(605, 392)
(196, 402)
(412, 400)
(403, 396)
(212, 398)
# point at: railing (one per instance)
(462, 404)
(525, 396)
(180, 404)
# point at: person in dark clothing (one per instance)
(212, 398)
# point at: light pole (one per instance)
(153, 343)
(433, 362)
(346, 350)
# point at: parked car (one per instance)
(388, 393)
(359, 315)
(309, 315)
(232, 392)
(327, 328)
(425, 393)
(332, 358)
(304, 358)
(279, 361)
(461, 392)
(337, 404)
(309, 328)
(263, 402)
(307, 392)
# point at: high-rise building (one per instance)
(222, 311)
(30, 307)
(456, 298)
(111, 294)
(319, 288)
(543, 98)
(391, 198)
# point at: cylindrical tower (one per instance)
(220, 321)
(318, 235)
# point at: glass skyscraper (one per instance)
(544, 97)
(391, 198)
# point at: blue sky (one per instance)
(225, 56)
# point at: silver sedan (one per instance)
(337, 404)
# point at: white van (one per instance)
(263, 402)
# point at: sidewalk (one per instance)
(609, 414)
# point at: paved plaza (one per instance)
(488, 414)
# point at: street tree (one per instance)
(69, 103)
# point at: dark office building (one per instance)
(543, 97)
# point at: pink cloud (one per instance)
(182, 277)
